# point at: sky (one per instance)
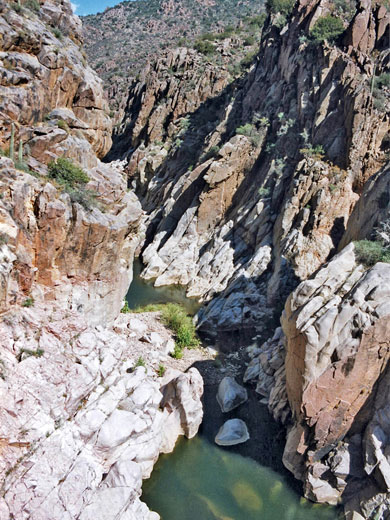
(83, 7)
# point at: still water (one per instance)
(142, 293)
(200, 481)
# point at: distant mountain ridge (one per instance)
(121, 40)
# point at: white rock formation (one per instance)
(79, 426)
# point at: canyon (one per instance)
(252, 189)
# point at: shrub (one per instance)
(140, 362)
(245, 129)
(28, 302)
(63, 125)
(125, 309)
(247, 60)
(283, 7)
(257, 21)
(36, 353)
(317, 151)
(177, 352)
(86, 198)
(212, 152)
(57, 33)
(264, 192)
(327, 28)
(16, 7)
(249, 40)
(369, 252)
(204, 47)
(176, 318)
(67, 174)
(379, 95)
(161, 370)
(33, 5)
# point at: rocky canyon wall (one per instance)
(260, 190)
(251, 191)
(83, 415)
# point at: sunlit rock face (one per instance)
(250, 191)
(81, 424)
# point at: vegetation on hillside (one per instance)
(120, 40)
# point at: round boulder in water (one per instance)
(234, 431)
(230, 394)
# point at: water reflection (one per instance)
(142, 293)
(200, 481)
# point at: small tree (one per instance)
(328, 28)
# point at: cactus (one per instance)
(12, 143)
(20, 152)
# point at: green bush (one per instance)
(283, 7)
(57, 33)
(264, 192)
(86, 198)
(176, 318)
(317, 151)
(140, 362)
(28, 302)
(379, 95)
(36, 353)
(257, 21)
(125, 309)
(247, 60)
(328, 28)
(161, 370)
(245, 129)
(369, 252)
(204, 47)
(67, 174)
(33, 5)
(63, 125)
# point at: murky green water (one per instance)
(142, 293)
(200, 481)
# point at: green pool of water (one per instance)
(200, 481)
(142, 293)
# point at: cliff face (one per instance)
(55, 103)
(248, 195)
(81, 425)
(254, 187)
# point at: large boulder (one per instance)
(232, 432)
(230, 394)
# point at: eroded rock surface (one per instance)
(251, 191)
(81, 425)
(336, 343)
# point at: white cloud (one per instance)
(74, 6)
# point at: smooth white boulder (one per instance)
(233, 431)
(230, 394)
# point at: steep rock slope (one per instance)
(53, 105)
(252, 190)
(331, 388)
(82, 422)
